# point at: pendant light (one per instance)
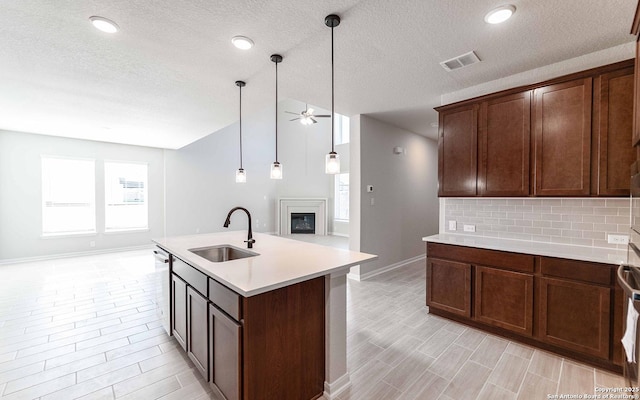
(332, 160)
(241, 176)
(276, 167)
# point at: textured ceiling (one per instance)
(167, 78)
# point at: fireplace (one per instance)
(289, 206)
(303, 223)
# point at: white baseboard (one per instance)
(75, 254)
(362, 277)
(339, 234)
(332, 390)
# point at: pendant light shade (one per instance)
(332, 160)
(276, 167)
(332, 163)
(241, 176)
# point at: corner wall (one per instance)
(405, 203)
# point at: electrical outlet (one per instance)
(92, 243)
(618, 239)
(452, 225)
(469, 228)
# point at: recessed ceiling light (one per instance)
(500, 14)
(242, 42)
(103, 24)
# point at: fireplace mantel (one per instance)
(289, 205)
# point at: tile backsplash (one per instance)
(584, 222)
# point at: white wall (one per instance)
(405, 205)
(201, 186)
(20, 195)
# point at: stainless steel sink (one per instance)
(222, 253)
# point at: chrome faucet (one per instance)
(250, 240)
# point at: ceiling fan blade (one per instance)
(314, 121)
(294, 119)
(322, 116)
(289, 112)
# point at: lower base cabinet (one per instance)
(575, 316)
(267, 346)
(197, 338)
(573, 308)
(225, 342)
(504, 299)
(449, 286)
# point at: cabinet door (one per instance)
(613, 119)
(504, 299)
(226, 353)
(179, 310)
(457, 151)
(197, 331)
(575, 316)
(504, 135)
(449, 286)
(562, 126)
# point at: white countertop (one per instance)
(281, 262)
(582, 253)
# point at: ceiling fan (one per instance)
(306, 117)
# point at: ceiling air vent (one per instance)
(460, 61)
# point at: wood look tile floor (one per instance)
(86, 328)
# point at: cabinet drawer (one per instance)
(192, 276)
(576, 270)
(226, 299)
(474, 256)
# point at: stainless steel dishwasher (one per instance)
(162, 297)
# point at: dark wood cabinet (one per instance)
(503, 148)
(457, 151)
(449, 286)
(573, 308)
(504, 299)
(575, 316)
(562, 126)
(197, 331)
(225, 362)
(267, 346)
(179, 310)
(568, 136)
(613, 123)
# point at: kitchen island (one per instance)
(269, 325)
(560, 298)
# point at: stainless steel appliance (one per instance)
(629, 280)
(162, 269)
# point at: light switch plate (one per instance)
(469, 228)
(452, 225)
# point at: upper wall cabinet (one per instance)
(457, 151)
(612, 124)
(562, 126)
(570, 136)
(503, 148)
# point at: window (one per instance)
(68, 196)
(341, 129)
(341, 211)
(125, 195)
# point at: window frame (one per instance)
(111, 231)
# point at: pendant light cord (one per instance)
(276, 112)
(332, 94)
(240, 126)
